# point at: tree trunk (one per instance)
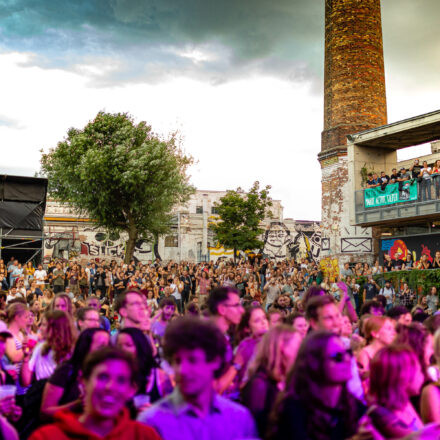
(235, 255)
(131, 242)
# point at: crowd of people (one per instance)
(247, 350)
(426, 176)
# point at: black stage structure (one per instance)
(22, 207)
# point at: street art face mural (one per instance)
(416, 246)
(281, 243)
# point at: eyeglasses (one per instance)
(232, 305)
(340, 356)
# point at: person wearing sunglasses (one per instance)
(316, 402)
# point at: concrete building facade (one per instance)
(69, 235)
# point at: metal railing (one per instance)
(426, 204)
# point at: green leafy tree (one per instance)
(122, 175)
(239, 217)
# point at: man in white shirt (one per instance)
(40, 276)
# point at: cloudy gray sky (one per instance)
(240, 79)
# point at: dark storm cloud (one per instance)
(146, 38)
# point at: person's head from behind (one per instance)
(395, 375)
(192, 309)
(417, 337)
(380, 329)
(372, 307)
(59, 332)
(196, 350)
(312, 292)
(62, 302)
(400, 314)
(87, 317)
(109, 378)
(276, 352)
(224, 302)
(323, 314)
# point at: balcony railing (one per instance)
(408, 200)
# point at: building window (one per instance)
(199, 209)
(214, 210)
(171, 241)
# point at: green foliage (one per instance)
(420, 281)
(120, 174)
(240, 215)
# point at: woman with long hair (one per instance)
(58, 333)
(47, 298)
(16, 347)
(62, 301)
(253, 325)
(395, 376)
(267, 373)
(316, 404)
(379, 331)
(152, 381)
(62, 390)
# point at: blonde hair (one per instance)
(14, 310)
(269, 356)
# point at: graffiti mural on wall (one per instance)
(281, 243)
(98, 244)
(416, 246)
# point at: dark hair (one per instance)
(219, 296)
(316, 303)
(397, 311)
(289, 320)
(144, 354)
(81, 313)
(167, 302)
(191, 333)
(108, 354)
(368, 305)
(432, 323)
(382, 300)
(312, 292)
(192, 309)
(121, 301)
(304, 383)
(81, 350)
(243, 330)
(415, 336)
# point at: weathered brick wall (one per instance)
(354, 78)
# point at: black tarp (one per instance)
(22, 202)
(21, 215)
(23, 189)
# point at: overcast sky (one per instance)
(240, 79)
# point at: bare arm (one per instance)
(50, 402)
(430, 404)
(12, 353)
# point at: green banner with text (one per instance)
(390, 194)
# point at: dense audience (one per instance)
(426, 176)
(254, 349)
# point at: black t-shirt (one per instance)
(371, 291)
(242, 287)
(416, 170)
(397, 263)
(63, 377)
(395, 176)
(118, 280)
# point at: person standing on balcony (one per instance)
(425, 183)
(435, 176)
(415, 169)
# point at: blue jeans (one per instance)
(425, 189)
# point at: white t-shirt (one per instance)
(42, 366)
(39, 276)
